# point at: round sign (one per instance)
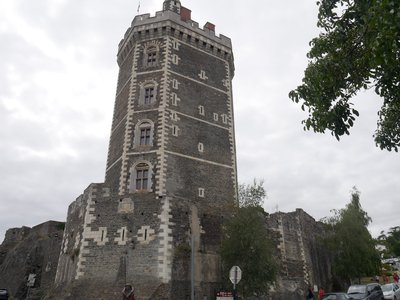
(235, 274)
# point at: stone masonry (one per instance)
(170, 177)
(30, 253)
(171, 168)
(302, 259)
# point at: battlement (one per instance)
(145, 22)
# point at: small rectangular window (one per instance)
(174, 116)
(174, 99)
(175, 130)
(201, 110)
(175, 84)
(224, 118)
(201, 192)
(202, 75)
(175, 44)
(175, 59)
(200, 147)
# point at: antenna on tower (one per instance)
(138, 8)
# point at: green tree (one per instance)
(252, 194)
(247, 245)
(354, 250)
(358, 48)
(392, 241)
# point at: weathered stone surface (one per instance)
(28, 251)
(174, 92)
(302, 259)
(175, 81)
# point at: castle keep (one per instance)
(171, 168)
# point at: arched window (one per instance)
(151, 56)
(148, 93)
(141, 177)
(144, 132)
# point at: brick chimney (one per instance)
(209, 26)
(185, 14)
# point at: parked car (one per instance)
(336, 296)
(371, 291)
(391, 291)
(4, 294)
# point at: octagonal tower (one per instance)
(171, 167)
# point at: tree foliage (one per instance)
(358, 48)
(354, 250)
(246, 244)
(392, 242)
(252, 195)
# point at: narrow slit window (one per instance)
(175, 84)
(174, 99)
(201, 192)
(201, 110)
(175, 59)
(175, 130)
(174, 116)
(224, 118)
(200, 147)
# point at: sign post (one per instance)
(235, 274)
(224, 295)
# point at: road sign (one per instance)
(224, 296)
(235, 274)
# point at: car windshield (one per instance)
(357, 289)
(387, 287)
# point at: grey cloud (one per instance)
(270, 39)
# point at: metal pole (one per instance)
(234, 285)
(192, 267)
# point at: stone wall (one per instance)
(302, 259)
(28, 251)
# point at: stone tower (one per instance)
(171, 168)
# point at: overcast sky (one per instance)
(58, 75)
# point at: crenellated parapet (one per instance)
(180, 26)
